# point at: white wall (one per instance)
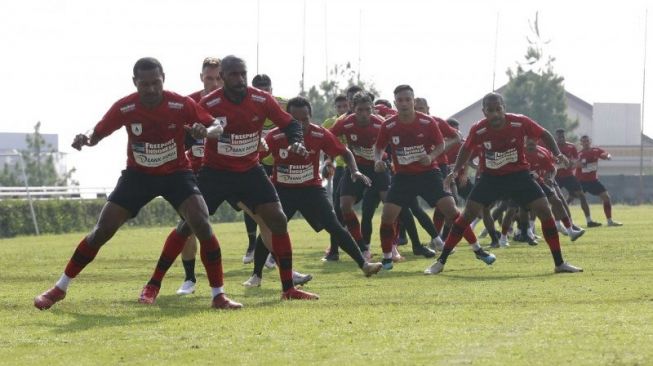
(616, 124)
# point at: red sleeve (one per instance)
(549, 161)
(337, 128)
(111, 121)
(533, 129)
(197, 113)
(436, 134)
(332, 146)
(602, 154)
(471, 141)
(446, 130)
(574, 153)
(271, 146)
(277, 115)
(383, 138)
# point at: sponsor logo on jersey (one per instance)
(137, 128)
(213, 102)
(278, 136)
(258, 98)
(515, 124)
(395, 140)
(255, 119)
(424, 121)
(349, 125)
(171, 126)
(128, 108)
(317, 134)
(420, 135)
(391, 124)
(175, 105)
(481, 131)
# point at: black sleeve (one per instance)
(293, 132)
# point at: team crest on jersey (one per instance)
(283, 153)
(137, 128)
(395, 140)
(353, 137)
(222, 121)
(128, 108)
(488, 145)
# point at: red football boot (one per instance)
(45, 300)
(297, 294)
(149, 294)
(223, 302)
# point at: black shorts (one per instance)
(135, 189)
(444, 169)
(380, 182)
(548, 190)
(268, 169)
(593, 187)
(519, 186)
(570, 183)
(406, 187)
(251, 187)
(464, 190)
(312, 202)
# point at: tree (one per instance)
(535, 90)
(322, 96)
(39, 159)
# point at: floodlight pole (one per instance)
(641, 134)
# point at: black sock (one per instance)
(189, 269)
(260, 256)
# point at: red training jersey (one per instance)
(569, 150)
(541, 161)
(155, 142)
(195, 147)
(236, 149)
(293, 170)
(360, 139)
(409, 142)
(588, 163)
(503, 148)
(448, 132)
(384, 111)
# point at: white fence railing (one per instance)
(68, 192)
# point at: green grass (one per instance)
(515, 312)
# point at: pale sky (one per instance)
(65, 62)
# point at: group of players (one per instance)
(235, 143)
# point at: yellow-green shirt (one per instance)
(328, 123)
(268, 126)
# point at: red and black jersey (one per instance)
(588, 163)
(384, 111)
(541, 161)
(503, 148)
(448, 132)
(196, 96)
(360, 139)
(410, 142)
(293, 170)
(236, 149)
(569, 150)
(155, 136)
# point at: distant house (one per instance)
(613, 126)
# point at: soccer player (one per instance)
(262, 82)
(566, 178)
(231, 171)
(586, 172)
(210, 77)
(155, 121)
(339, 167)
(504, 175)
(299, 185)
(416, 142)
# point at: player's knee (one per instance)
(277, 222)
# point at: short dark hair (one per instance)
(403, 87)
(210, 62)
(261, 80)
(361, 97)
(384, 102)
(299, 102)
(340, 98)
(422, 100)
(560, 130)
(353, 90)
(453, 122)
(493, 97)
(147, 63)
(585, 137)
(230, 61)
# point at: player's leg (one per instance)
(250, 226)
(188, 255)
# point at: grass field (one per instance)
(515, 312)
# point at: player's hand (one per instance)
(561, 159)
(425, 160)
(379, 166)
(263, 146)
(80, 140)
(298, 148)
(197, 131)
(356, 176)
(463, 179)
(329, 170)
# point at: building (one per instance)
(12, 143)
(616, 127)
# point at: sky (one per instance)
(66, 62)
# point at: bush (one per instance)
(56, 216)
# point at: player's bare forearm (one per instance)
(350, 160)
(461, 159)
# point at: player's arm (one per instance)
(605, 155)
(353, 168)
(551, 144)
(111, 121)
(438, 142)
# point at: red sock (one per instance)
(171, 249)
(550, 234)
(566, 222)
(607, 208)
(469, 235)
(505, 227)
(457, 230)
(212, 260)
(282, 250)
(438, 220)
(387, 233)
(83, 255)
(353, 225)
